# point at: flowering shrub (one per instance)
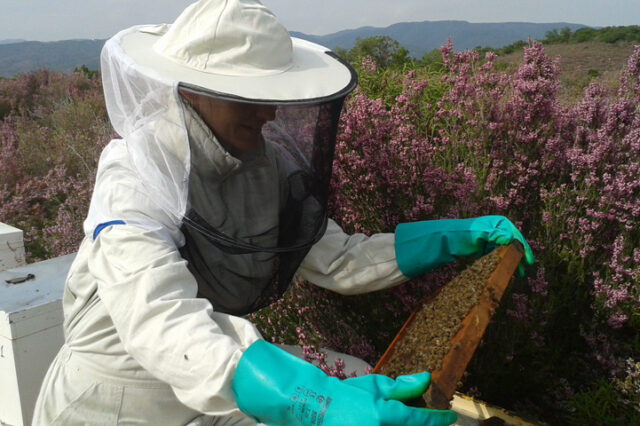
(487, 142)
(52, 130)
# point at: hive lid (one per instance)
(35, 303)
(10, 233)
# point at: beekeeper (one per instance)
(203, 212)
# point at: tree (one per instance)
(341, 52)
(584, 34)
(384, 50)
(432, 60)
(554, 36)
(565, 34)
(86, 71)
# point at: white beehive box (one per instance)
(11, 247)
(30, 333)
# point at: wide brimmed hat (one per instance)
(237, 48)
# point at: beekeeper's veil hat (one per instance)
(233, 50)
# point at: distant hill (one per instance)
(11, 40)
(422, 37)
(417, 37)
(56, 55)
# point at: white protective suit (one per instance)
(140, 346)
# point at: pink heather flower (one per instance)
(520, 311)
(301, 335)
(368, 64)
(539, 284)
(616, 321)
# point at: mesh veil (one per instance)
(144, 109)
(248, 227)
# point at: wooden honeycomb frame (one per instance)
(462, 346)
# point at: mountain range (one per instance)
(418, 38)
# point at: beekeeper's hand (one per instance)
(421, 246)
(276, 388)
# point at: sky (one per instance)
(50, 20)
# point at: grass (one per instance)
(581, 64)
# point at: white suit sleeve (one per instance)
(151, 298)
(352, 264)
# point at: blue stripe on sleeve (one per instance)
(101, 226)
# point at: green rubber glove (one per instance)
(276, 388)
(421, 246)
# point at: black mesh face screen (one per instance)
(249, 226)
(308, 134)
